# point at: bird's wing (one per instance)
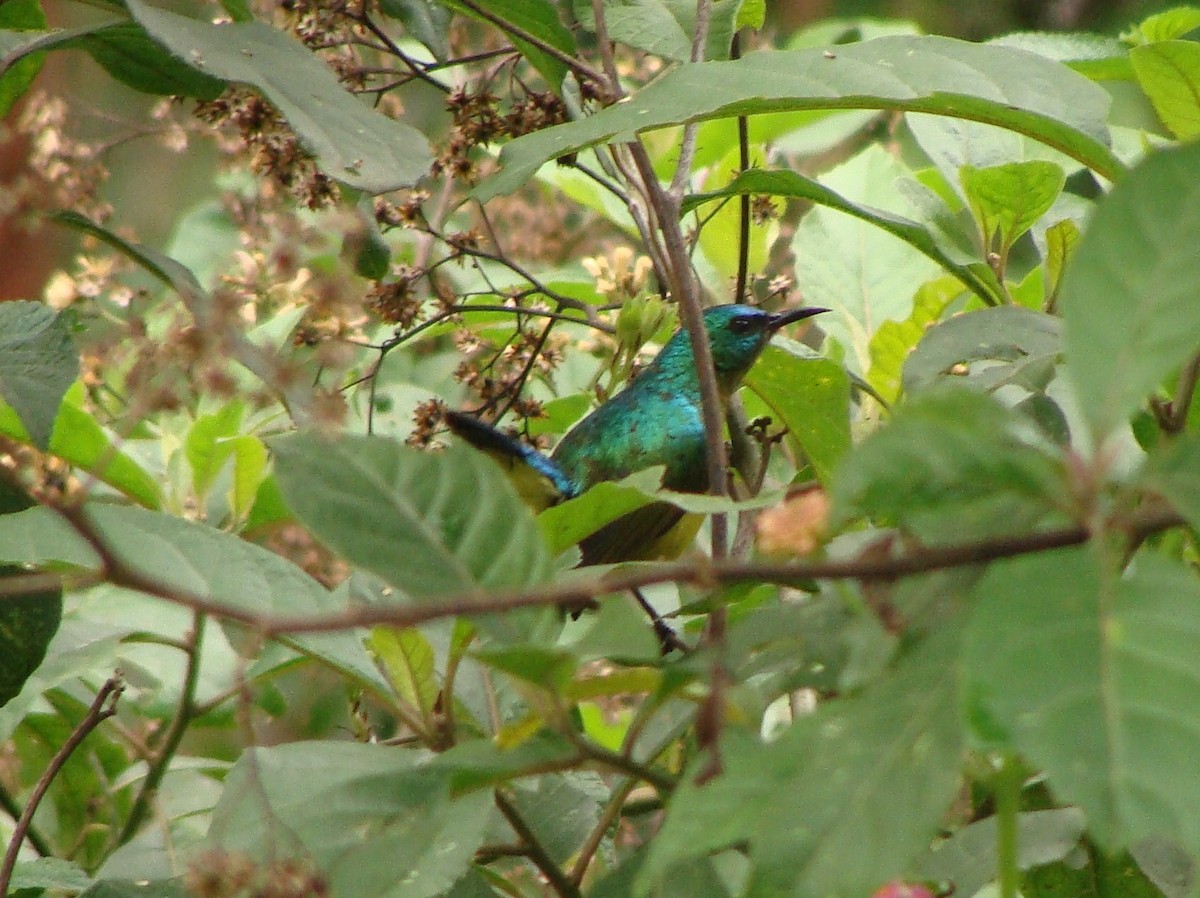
(539, 481)
(657, 530)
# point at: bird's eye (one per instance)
(742, 324)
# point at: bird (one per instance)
(656, 420)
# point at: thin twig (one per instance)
(537, 854)
(696, 571)
(1184, 390)
(743, 130)
(687, 146)
(35, 838)
(103, 707)
(578, 66)
(170, 743)
(608, 816)
(413, 66)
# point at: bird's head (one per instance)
(738, 333)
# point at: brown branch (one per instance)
(698, 572)
(687, 145)
(103, 707)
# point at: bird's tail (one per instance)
(540, 481)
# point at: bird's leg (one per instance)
(668, 639)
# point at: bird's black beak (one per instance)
(779, 320)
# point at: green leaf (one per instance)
(720, 236)
(863, 274)
(941, 451)
(424, 20)
(249, 472)
(1069, 661)
(1102, 875)
(80, 440)
(38, 362)
(536, 17)
(1173, 471)
(75, 652)
(191, 558)
(561, 810)
(352, 143)
(998, 346)
(810, 395)
(550, 668)
(27, 621)
(206, 446)
(238, 10)
(648, 25)
(407, 657)
(1011, 88)
(431, 524)
(1169, 73)
(1098, 56)
(1061, 239)
(968, 858)
(1128, 296)
(565, 524)
(841, 801)
(18, 73)
(49, 873)
(1008, 199)
(137, 888)
(795, 185)
(374, 820)
(126, 52)
(1164, 26)
(480, 763)
(665, 27)
(894, 340)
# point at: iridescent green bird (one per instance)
(656, 420)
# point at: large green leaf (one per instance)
(968, 858)
(191, 558)
(1002, 86)
(374, 820)
(1091, 675)
(127, 53)
(122, 48)
(795, 185)
(431, 524)
(861, 272)
(1129, 292)
(1014, 345)
(1169, 73)
(843, 800)
(811, 397)
(38, 362)
(353, 143)
(941, 454)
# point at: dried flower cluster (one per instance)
(223, 874)
(62, 172)
(256, 130)
(478, 120)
